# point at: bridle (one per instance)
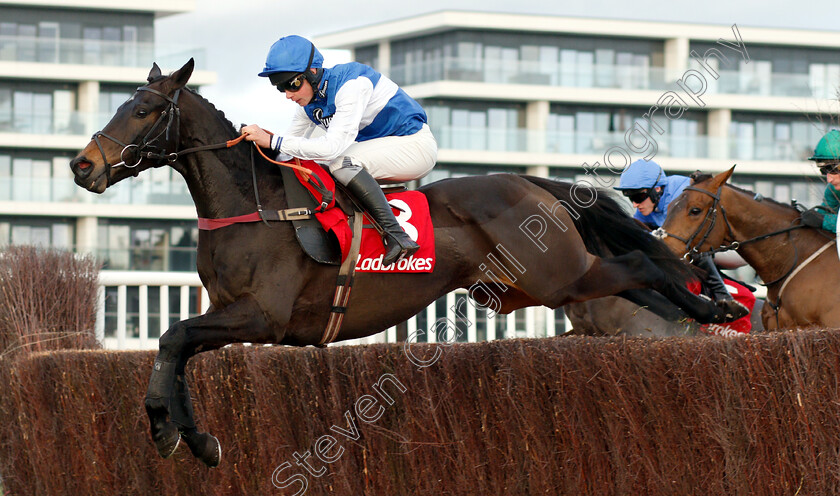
(158, 154)
(147, 149)
(711, 218)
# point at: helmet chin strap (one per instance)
(312, 78)
(655, 195)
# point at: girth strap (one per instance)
(288, 214)
(344, 284)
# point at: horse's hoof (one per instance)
(167, 440)
(734, 310)
(207, 448)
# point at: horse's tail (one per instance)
(608, 231)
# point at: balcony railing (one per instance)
(529, 72)
(160, 258)
(701, 146)
(143, 190)
(135, 309)
(96, 52)
(484, 70)
(776, 84)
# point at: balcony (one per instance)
(146, 189)
(775, 84)
(529, 72)
(96, 52)
(161, 258)
(596, 143)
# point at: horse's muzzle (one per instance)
(83, 169)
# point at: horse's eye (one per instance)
(694, 211)
(141, 113)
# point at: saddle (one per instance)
(318, 243)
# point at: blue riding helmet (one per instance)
(642, 174)
(290, 56)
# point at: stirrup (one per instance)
(406, 250)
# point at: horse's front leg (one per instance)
(168, 402)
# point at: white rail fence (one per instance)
(136, 308)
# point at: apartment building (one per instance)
(579, 98)
(65, 67)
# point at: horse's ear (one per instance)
(154, 73)
(180, 77)
(720, 179)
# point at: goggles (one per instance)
(636, 195)
(287, 84)
(826, 169)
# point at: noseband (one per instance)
(147, 149)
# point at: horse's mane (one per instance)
(607, 230)
(220, 113)
(198, 95)
(700, 177)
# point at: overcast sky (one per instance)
(236, 36)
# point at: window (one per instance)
(148, 245)
(45, 232)
(755, 136)
(515, 58)
(477, 125)
(48, 42)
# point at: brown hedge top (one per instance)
(752, 415)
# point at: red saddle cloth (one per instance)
(411, 208)
(741, 294)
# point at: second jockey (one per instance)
(373, 130)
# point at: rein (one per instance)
(147, 149)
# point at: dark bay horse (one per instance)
(798, 264)
(264, 289)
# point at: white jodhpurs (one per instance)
(393, 158)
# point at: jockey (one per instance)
(374, 130)
(827, 157)
(650, 191)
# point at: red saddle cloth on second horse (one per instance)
(741, 294)
(411, 208)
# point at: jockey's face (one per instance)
(833, 179)
(645, 207)
(302, 96)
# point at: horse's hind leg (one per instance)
(168, 403)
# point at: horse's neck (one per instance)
(750, 219)
(220, 181)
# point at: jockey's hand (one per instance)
(257, 134)
(813, 218)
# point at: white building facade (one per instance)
(546, 95)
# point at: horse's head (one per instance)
(142, 134)
(696, 220)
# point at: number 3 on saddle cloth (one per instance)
(741, 294)
(411, 208)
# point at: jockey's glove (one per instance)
(813, 218)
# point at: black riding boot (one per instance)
(714, 281)
(398, 244)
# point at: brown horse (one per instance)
(264, 289)
(799, 264)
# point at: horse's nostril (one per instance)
(84, 165)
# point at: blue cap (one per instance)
(292, 54)
(642, 174)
